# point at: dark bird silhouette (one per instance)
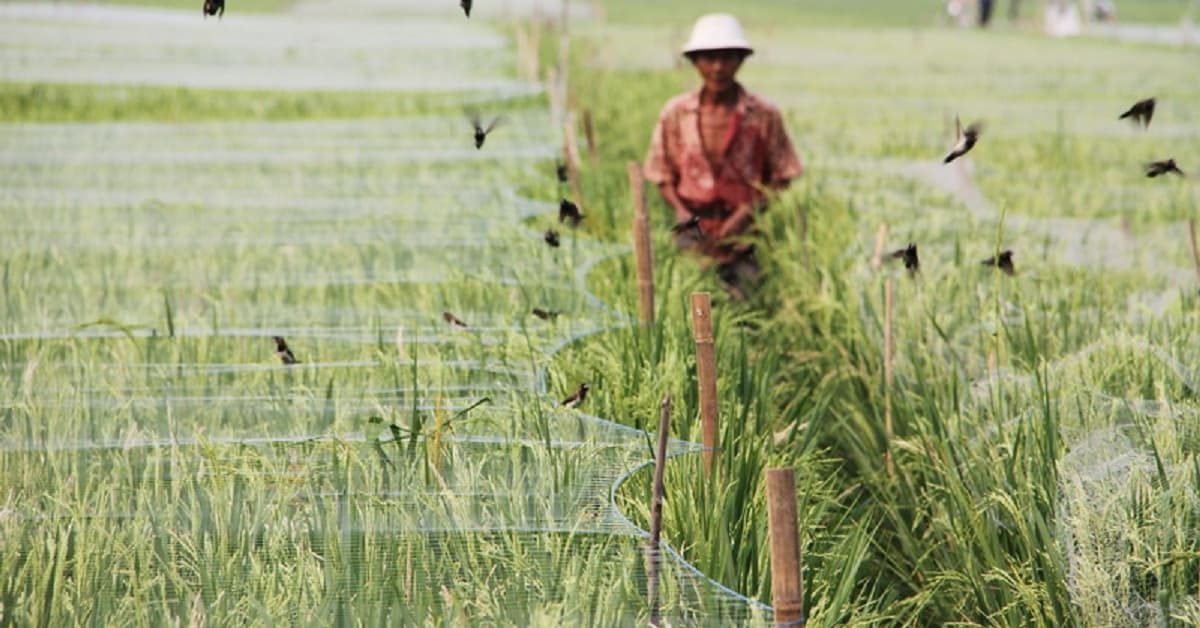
(551, 237)
(966, 139)
(691, 224)
(546, 315)
(214, 7)
(1155, 168)
(466, 6)
(1003, 261)
(453, 320)
(574, 400)
(560, 170)
(284, 352)
(909, 255)
(569, 211)
(481, 132)
(1141, 112)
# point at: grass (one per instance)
(1044, 444)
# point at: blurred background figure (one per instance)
(985, 12)
(1062, 19)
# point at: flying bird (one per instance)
(481, 132)
(466, 6)
(1003, 261)
(966, 139)
(574, 400)
(453, 320)
(691, 224)
(569, 211)
(1155, 168)
(551, 238)
(560, 170)
(214, 7)
(284, 352)
(546, 315)
(1141, 112)
(909, 255)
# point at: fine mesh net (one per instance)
(157, 451)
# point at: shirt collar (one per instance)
(745, 102)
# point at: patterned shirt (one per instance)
(757, 151)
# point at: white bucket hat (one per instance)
(717, 31)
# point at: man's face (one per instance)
(718, 67)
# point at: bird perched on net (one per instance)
(466, 7)
(1140, 113)
(481, 132)
(546, 315)
(453, 320)
(966, 139)
(568, 211)
(284, 352)
(1156, 168)
(551, 238)
(909, 255)
(560, 170)
(1003, 261)
(577, 398)
(214, 7)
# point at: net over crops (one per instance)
(162, 463)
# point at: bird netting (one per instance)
(160, 461)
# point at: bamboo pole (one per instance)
(887, 374)
(589, 134)
(787, 584)
(880, 242)
(643, 253)
(706, 373)
(571, 156)
(1195, 250)
(653, 559)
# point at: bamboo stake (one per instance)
(1195, 251)
(887, 374)
(706, 373)
(787, 583)
(880, 242)
(652, 554)
(571, 157)
(589, 133)
(643, 253)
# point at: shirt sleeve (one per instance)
(657, 167)
(783, 164)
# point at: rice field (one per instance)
(179, 191)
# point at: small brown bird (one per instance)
(1155, 168)
(569, 211)
(214, 7)
(1141, 112)
(574, 400)
(691, 224)
(453, 320)
(966, 139)
(546, 315)
(481, 132)
(284, 352)
(551, 238)
(560, 170)
(909, 255)
(466, 6)
(1003, 261)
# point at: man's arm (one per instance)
(667, 190)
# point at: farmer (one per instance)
(716, 151)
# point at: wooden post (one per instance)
(571, 156)
(887, 375)
(652, 555)
(787, 583)
(706, 373)
(1195, 251)
(643, 253)
(880, 243)
(589, 133)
